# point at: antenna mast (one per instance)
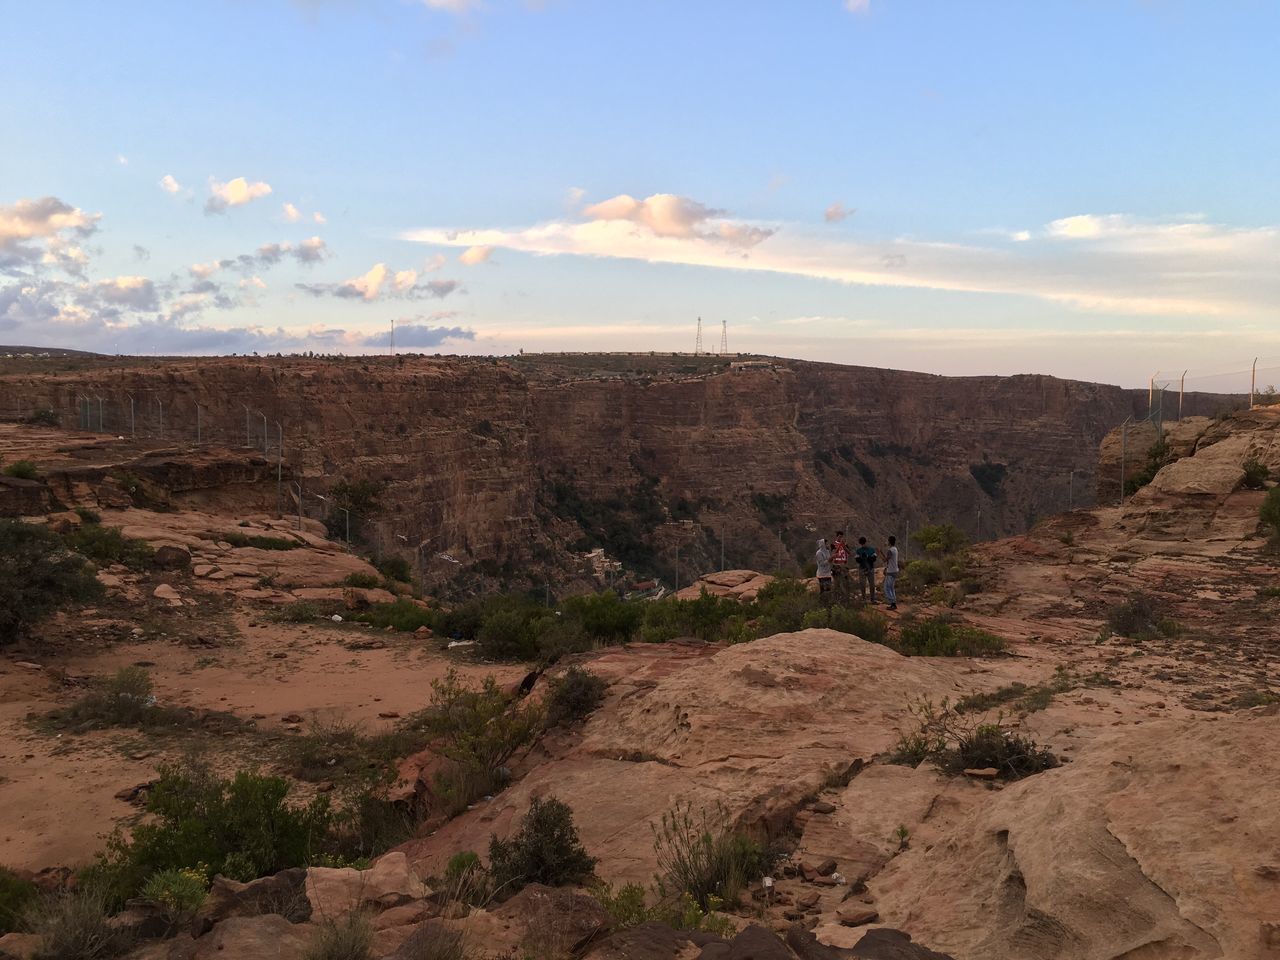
(697, 344)
(724, 336)
(393, 337)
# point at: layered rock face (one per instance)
(508, 462)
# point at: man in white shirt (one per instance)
(891, 574)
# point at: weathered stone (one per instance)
(651, 941)
(982, 773)
(888, 944)
(389, 882)
(19, 946)
(283, 894)
(267, 937)
(561, 921)
(856, 914)
(172, 557)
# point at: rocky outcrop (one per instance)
(508, 462)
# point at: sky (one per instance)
(1086, 188)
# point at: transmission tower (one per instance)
(697, 344)
(724, 337)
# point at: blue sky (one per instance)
(1078, 187)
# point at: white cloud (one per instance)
(319, 218)
(858, 6)
(370, 284)
(122, 159)
(1021, 236)
(41, 219)
(453, 6)
(203, 271)
(169, 185)
(291, 213)
(381, 282)
(404, 280)
(1111, 263)
(311, 250)
(234, 193)
(475, 255)
(433, 263)
(135, 293)
(837, 212)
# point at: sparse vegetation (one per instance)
(299, 611)
(1141, 618)
(107, 545)
(1024, 699)
(478, 730)
(396, 568)
(628, 907)
(1269, 512)
(75, 925)
(344, 938)
(573, 696)
(362, 581)
(242, 828)
(22, 470)
(545, 850)
(258, 541)
(16, 896)
(180, 892)
(354, 501)
(44, 418)
(956, 742)
(703, 857)
(1158, 454)
(943, 637)
(989, 476)
(38, 575)
(403, 615)
(1256, 474)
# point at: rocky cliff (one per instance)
(667, 462)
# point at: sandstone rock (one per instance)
(1139, 845)
(283, 894)
(170, 557)
(168, 594)
(19, 946)
(982, 773)
(268, 937)
(406, 915)
(888, 944)
(389, 882)
(856, 915)
(64, 522)
(754, 727)
(652, 941)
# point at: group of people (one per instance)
(833, 568)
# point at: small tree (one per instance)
(38, 574)
(940, 539)
(545, 849)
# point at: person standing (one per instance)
(823, 557)
(840, 565)
(891, 574)
(865, 557)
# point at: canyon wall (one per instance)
(505, 464)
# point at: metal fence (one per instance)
(1256, 379)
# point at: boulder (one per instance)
(172, 557)
(283, 894)
(19, 946)
(268, 937)
(389, 882)
(652, 941)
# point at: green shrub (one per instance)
(240, 827)
(38, 575)
(941, 637)
(560, 638)
(1269, 512)
(866, 624)
(258, 541)
(704, 857)
(364, 581)
(16, 895)
(123, 700)
(544, 850)
(346, 938)
(574, 696)
(509, 635)
(1140, 618)
(299, 611)
(627, 908)
(22, 470)
(922, 573)
(460, 865)
(940, 539)
(44, 418)
(604, 616)
(957, 743)
(396, 568)
(1255, 474)
(107, 545)
(353, 501)
(403, 615)
(180, 892)
(74, 925)
(478, 731)
(88, 516)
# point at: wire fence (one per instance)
(1254, 381)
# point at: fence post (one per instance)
(1124, 454)
(279, 470)
(1253, 382)
(1182, 392)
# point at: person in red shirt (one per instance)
(840, 565)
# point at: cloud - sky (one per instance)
(931, 186)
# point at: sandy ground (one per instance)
(57, 790)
